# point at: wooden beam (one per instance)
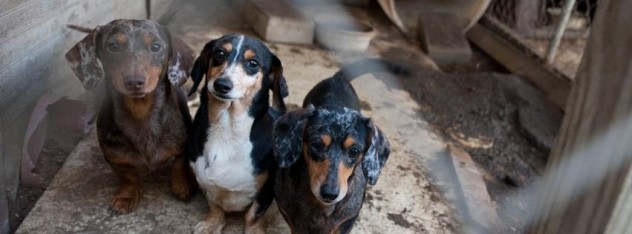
(4, 206)
(587, 185)
(480, 215)
(516, 60)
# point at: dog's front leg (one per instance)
(254, 220)
(214, 221)
(128, 194)
(182, 178)
(255, 216)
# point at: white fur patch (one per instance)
(176, 74)
(225, 170)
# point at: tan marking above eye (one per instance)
(348, 142)
(326, 138)
(228, 47)
(147, 39)
(249, 54)
(120, 38)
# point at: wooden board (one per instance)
(587, 184)
(480, 208)
(555, 86)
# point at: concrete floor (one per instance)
(403, 201)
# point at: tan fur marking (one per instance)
(254, 224)
(214, 220)
(214, 71)
(228, 47)
(317, 170)
(117, 80)
(326, 138)
(260, 180)
(343, 175)
(147, 39)
(152, 76)
(249, 54)
(120, 38)
(348, 142)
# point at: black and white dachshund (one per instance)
(230, 142)
(327, 152)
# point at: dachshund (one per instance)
(143, 118)
(230, 142)
(327, 152)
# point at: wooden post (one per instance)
(587, 186)
(4, 207)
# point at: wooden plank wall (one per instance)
(587, 186)
(34, 40)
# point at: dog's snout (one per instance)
(329, 193)
(223, 85)
(134, 82)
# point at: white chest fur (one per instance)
(225, 170)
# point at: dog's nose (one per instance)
(134, 82)
(223, 85)
(329, 193)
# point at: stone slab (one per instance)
(441, 36)
(278, 21)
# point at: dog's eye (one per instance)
(219, 55)
(252, 64)
(155, 47)
(114, 47)
(354, 152)
(317, 146)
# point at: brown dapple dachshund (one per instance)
(143, 119)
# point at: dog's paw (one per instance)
(123, 205)
(182, 190)
(212, 226)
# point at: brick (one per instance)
(442, 37)
(278, 21)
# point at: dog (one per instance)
(143, 118)
(327, 152)
(230, 142)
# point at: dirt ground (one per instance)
(59, 144)
(501, 120)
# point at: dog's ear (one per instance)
(376, 154)
(279, 85)
(200, 67)
(180, 62)
(287, 136)
(84, 62)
